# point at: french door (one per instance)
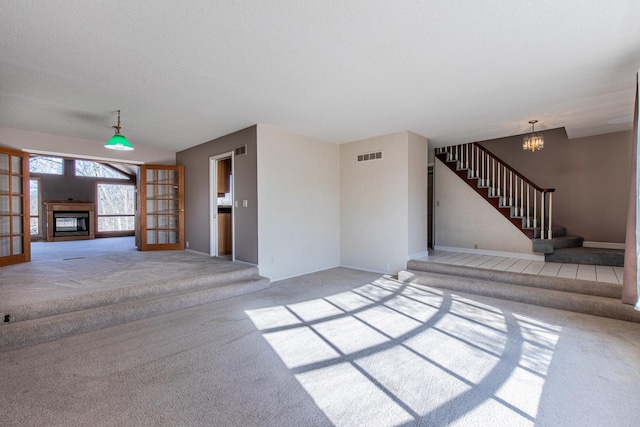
(161, 207)
(15, 239)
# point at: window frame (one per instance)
(97, 215)
(62, 173)
(39, 235)
(125, 176)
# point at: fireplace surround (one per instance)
(70, 220)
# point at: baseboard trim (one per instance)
(245, 263)
(418, 255)
(531, 257)
(304, 274)
(196, 252)
(603, 245)
(367, 269)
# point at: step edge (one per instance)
(24, 312)
(610, 290)
(54, 327)
(578, 303)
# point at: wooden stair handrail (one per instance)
(524, 178)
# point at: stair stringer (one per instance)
(464, 219)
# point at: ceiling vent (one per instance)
(370, 156)
(239, 151)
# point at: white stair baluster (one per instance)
(550, 205)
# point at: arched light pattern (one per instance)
(533, 141)
(118, 141)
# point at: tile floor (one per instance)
(598, 273)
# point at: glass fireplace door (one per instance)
(14, 207)
(161, 207)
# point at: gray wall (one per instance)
(196, 165)
(590, 175)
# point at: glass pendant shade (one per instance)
(119, 142)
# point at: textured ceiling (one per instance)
(184, 73)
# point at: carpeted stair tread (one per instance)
(548, 246)
(134, 292)
(37, 330)
(556, 231)
(576, 302)
(589, 256)
(586, 287)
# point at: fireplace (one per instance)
(70, 220)
(70, 223)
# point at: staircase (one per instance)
(581, 296)
(526, 205)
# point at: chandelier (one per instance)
(533, 141)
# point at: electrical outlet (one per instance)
(388, 267)
(187, 244)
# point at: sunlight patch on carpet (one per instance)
(391, 353)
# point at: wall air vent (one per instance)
(239, 151)
(370, 156)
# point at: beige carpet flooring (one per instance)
(84, 271)
(339, 347)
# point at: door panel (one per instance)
(161, 190)
(15, 241)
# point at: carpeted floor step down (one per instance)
(579, 303)
(586, 287)
(29, 332)
(133, 291)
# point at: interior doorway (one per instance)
(100, 197)
(221, 206)
(430, 207)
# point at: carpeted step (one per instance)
(576, 302)
(556, 231)
(547, 246)
(136, 291)
(37, 330)
(590, 256)
(586, 287)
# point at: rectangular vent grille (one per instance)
(241, 150)
(370, 156)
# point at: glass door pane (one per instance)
(162, 212)
(14, 232)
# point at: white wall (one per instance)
(374, 204)
(299, 210)
(463, 219)
(82, 148)
(418, 195)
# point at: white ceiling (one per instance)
(186, 72)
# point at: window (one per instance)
(34, 206)
(116, 207)
(97, 170)
(50, 165)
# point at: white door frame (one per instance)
(213, 204)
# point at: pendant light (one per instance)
(118, 141)
(533, 141)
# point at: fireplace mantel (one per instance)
(69, 206)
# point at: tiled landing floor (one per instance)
(598, 273)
